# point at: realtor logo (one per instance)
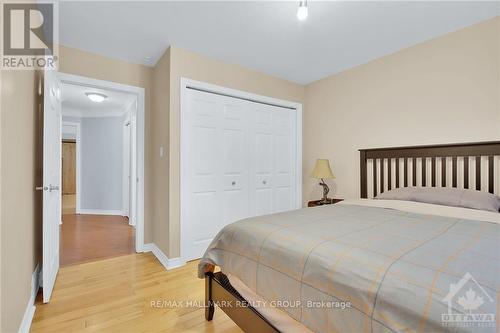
(470, 296)
(29, 36)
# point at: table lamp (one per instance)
(323, 171)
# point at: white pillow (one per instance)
(445, 196)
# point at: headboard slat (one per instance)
(389, 174)
(443, 171)
(456, 152)
(405, 169)
(466, 171)
(433, 168)
(397, 172)
(478, 173)
(381, 175)
(454, 171)
(414, 171)
(491, 165)
(424, 171)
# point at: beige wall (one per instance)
(441, 91)
(20, 204)
(78, 62)
(1, 220)
(193, 66)
(160, 135)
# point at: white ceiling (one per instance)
(264, 35)
(76, 104)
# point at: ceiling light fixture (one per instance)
(96, 97)
(302, 12)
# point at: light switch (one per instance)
(161, 151)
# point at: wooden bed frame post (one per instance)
(218, 290)
(362, 169)
(209, 302)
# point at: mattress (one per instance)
(366, 266)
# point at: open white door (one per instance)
(51, 180)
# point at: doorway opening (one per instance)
(70, 137)
(101, 170)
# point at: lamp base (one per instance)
(325, 201)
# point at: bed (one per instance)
(368, 265)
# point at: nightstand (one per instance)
(315, 203)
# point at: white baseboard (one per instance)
(99, 212)
(162, 258)
(30, 308)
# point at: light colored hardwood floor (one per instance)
(93, 237)
(115, 295)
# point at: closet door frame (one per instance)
(186, 84)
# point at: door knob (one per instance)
(53, 188)
(41, 188)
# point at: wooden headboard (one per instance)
(448, 165)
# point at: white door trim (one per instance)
(139, 92)
(78, 162)
(126, 178)
(208, 87)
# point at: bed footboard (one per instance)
(218, 291)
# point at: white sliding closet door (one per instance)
(273, 150)
(262, 164)
(285, 147)
(202, 166)
(239, 160)
(216, 160)
(234, 159)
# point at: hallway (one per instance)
(93, 237)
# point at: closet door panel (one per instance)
(264, 204)
(263, 116)
(283, 199)
(234, 143)
(264, 153)
(234, 160)
(203, 170)
(205, 139)
(284, 157)
(205, 213)
(262, 176)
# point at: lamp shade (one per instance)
(322, 170)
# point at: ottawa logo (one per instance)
(466, 301)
